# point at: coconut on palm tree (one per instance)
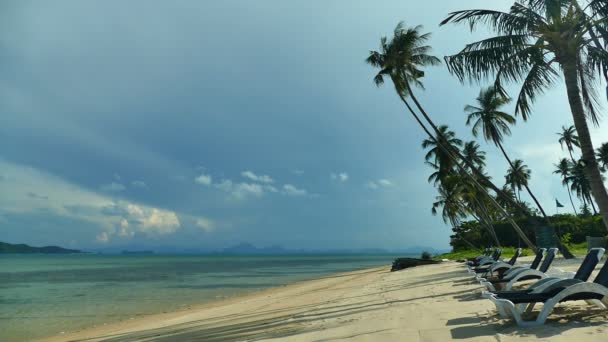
(401, 59)
(536, 42)
(569, 138)
(488, 117)
(563, 169)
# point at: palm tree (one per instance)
(563, 169)
(438, 156)
(494, 123)
(402, 59)
(472, 151)
(535, 43)
(569, 138)
(518, 176)
(579, 183)
(602, 156)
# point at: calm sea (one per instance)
(43, 295)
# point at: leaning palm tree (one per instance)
(563, 169)
(569, 138)
(518, 176)
(535, 43)
(602, 156)
(494, 123)
(401, 59)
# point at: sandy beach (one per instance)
(427, 303)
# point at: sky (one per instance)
(203, 124)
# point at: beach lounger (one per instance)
(507, 282)
(582, 274)
(498, 266)
(487, 260)
(500, 271)
(515, 305)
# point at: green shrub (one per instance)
(426, 256)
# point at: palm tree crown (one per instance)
(569, 138)
(518, 175)
(488, 117)
(402, 58)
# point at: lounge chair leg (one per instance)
(530, 308)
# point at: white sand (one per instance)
(428, 303)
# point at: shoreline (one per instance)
(133, 323)
(424, 303)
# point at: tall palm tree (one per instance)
(401, 59)
(602, 155)
(569, 138)
(535, 43)
(563, 169)
(488, 117)
(518, 176)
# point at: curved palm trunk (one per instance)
(590, 200)
(475, 170)
(571, 201)
(504, 153)
(598, 190)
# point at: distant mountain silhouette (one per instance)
(6, 248)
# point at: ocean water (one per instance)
(44, 295)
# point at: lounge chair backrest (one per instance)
(548, 260)
(497, 254)
(589, 263)
(515, 256)
(602, 277)
(538, 258)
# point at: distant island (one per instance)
(137, 252)
(8, 248)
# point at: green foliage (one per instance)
(566, 239)
(426, 256)
(507, 252)
(576, 227)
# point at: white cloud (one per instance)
(139, 184)
(380, 183)
(224, 185)
(112, 187)
(205, 224)
(113, 218)
(242, 190)
(341, 177)
(203, 179)
(157, 221)
(291, 190)
(385, 182)
(103, 237)
(257, 178)
(270, 188)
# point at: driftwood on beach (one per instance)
(402, 263)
